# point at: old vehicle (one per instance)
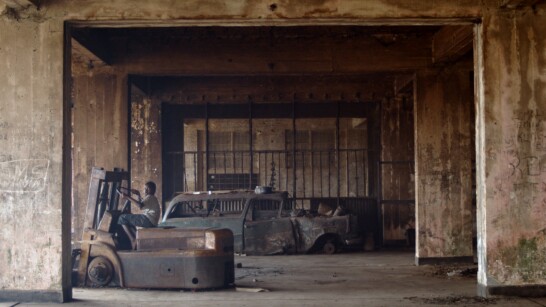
(164, 257)
(262, 224)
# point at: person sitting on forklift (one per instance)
(149, 207)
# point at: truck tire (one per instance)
(329, 247)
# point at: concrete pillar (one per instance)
(511, 162)
(443, 162)
(35, 217)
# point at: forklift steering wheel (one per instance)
(125, 192)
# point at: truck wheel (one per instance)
(329, 247)
(100, 271)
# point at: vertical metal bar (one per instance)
(356, 170)
(286, 170)
(129, 128)
(347, 175)
(338, 156)
(312, 173)
(207, 146)
(225, 162)
(195, 166)
(266, 167)
(279, 184)
(294, 147)
(259, 167)
(320, 172)
(303, 171)
(329, 174)
(251, 143)
(364, 175)
(233, 162)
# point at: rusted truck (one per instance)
(263, 224)
(164, 257)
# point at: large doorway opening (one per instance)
(326, 113)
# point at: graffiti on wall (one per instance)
(27, 175)
(522, 179)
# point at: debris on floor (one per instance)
(453, 300)
(248, 289)
(451, 271)
(256, 271)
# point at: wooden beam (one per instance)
(275, 110)
(451, 42)
(237, 89)
(209, 56)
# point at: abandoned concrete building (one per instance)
(414, 115)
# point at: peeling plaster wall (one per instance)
(514, 122)
(443, 155)
(31, 136)
(145, 144)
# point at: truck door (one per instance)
(266, 232)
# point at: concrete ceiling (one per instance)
(368, 56)
(110, 44)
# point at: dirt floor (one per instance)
(381, 278)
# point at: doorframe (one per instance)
(67, 159)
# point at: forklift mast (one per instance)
(102, 197)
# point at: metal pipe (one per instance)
(251, 143)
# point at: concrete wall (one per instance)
(443, 162)
(35, 252)
(512, 139)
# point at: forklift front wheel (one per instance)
(100, 271)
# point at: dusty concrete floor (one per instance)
(349, 279)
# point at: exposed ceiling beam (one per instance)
(85, 54)
(451, 43)
(515, 4)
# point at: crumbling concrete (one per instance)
(512, 151)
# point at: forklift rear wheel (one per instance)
(100, 271)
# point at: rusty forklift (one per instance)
(164, 257)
